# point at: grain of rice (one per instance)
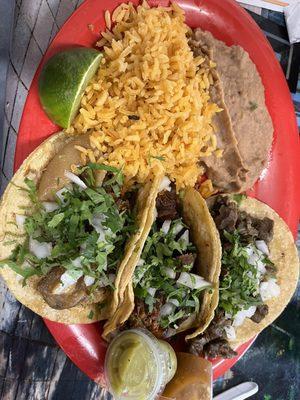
(107, 35)
(148, 72)
(102, 42)
(107, 19)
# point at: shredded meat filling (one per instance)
(166, 205)
(142, 318)
(261, 311)
(213, 342)
(228, 217)
(61, 301)
(187, 259)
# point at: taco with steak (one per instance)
(259, 273)
(171, 282)
(66, 230)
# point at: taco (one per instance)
(66, 229)
(171, 282)
(259, 273)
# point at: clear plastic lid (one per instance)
(136, 366)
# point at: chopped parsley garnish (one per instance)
(88, 224)
(161, 252)
(239, 284)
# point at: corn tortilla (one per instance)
(283, 253)
(12, 203)
(208, 264)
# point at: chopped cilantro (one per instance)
(24, 272)
(56, 220)
(239, 197)
(239, 286)
(91, 314)
(88, 223)
(161, 251)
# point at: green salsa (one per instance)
(138, 366)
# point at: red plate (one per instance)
(278, 186)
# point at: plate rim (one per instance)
(33, 86)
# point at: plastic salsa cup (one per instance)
(138, 365)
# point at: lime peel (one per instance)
(63, 80)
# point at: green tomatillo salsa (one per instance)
(138, 366)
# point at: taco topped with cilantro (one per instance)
(259, 273)
(173, 285)
(66, 230)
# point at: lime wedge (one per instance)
(63, 80)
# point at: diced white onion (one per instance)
(177, 228)
(50, 206)
(269, 289)
(192, 281)
(165, 184)
(97, 219)
(151, 291)
(155, 214)
(75, 179)
(262, 246)
(66, 281)
(99, 228)
(140, 262)
(170, 332)
(19, 278)
(40, 249)
(167, 309)
(175, 302)
(60, 194)
(166, 226)
(170, 273)
(76, 262)
(254, 258)
(230, 332)
(228, 315)
(88, 280)
(112, 277)
(185, 237)
(20, 219)
(101, 238)
(240, 316)
(261, 267)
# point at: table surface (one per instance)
(32, 366)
